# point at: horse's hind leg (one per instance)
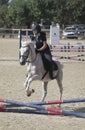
(59, 81)
(60, 77)
(44, 87)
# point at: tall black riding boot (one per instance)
(51, 71)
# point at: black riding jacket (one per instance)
(39, 41)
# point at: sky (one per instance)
(10, 1)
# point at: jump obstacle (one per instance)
(38, 108)
(76, 57)
(68, 48)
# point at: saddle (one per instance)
(54, 65)
(47, 65)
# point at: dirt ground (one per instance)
(12, 77)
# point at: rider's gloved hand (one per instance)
(32, 37)
(37, 50)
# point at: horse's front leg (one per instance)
(28, 82)
(27, 79)
(44, 87)
(27, 87)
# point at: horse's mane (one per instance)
(32, 52)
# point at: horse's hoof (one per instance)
(32, 91)
(29, 93)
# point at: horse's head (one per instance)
(27, 52)
(24, 52)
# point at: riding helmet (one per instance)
(36, 27)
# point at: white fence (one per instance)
(13, 33)
(8, 33)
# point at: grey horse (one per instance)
(36, 70)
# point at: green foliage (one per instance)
(23, 12)
(18, 13)
(3, 10)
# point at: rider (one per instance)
(43, 48)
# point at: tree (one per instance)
(2, 2)
(23, 12)
(3, 11)
(19, 14)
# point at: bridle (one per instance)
(25, 56)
